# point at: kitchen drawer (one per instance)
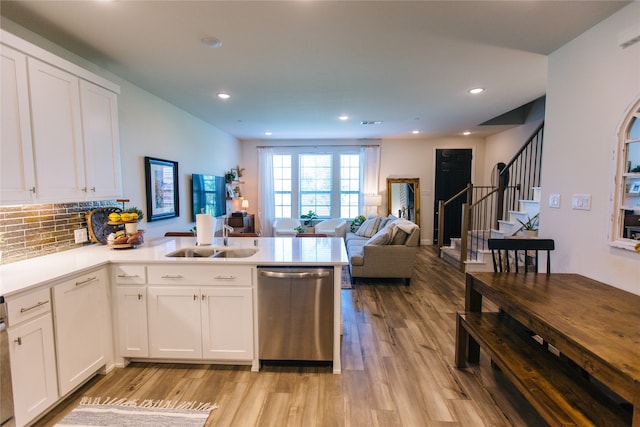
(200, 275)
(27, 306)
(129, 274)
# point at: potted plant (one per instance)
(131, 220)
(299, 229)
(307, 219)
(530, 226)
(229, 176)
(357, 222)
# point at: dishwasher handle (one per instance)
(295, 275)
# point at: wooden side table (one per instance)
(242, 224)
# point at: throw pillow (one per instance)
(399, 237)
(369, 227)
(382, 237)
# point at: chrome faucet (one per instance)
(225, 234)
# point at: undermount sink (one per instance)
(211, 252)
(235, 253)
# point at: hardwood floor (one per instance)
(398, 370)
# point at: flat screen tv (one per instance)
(208, 195)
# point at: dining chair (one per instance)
(510, 252)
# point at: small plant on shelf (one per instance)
(299, 229)
(229, 176)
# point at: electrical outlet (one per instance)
(80, 235)
(581, 202)
(554, 201)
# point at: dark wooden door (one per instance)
(453, 173)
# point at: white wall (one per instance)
(149, 126)
(399, 158)
(591, 84)
(502, 146)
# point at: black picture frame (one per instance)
(161, 178)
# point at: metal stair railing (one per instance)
(484, 206)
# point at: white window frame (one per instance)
(622, 200)
(295, 152)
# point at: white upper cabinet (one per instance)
(57, 133)
(60, 136)
(101, 141)
(17, 176)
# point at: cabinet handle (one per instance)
(229, 277)
(203, 297)
(195, 297)
(38, 304)
(172, 276)
(139, 297)
(93, 189)
(33, 190)
(126, 276)
(18, 340)
(84, 189)
(84, 282)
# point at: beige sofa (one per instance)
(384, 250)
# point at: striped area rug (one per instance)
(95, 411)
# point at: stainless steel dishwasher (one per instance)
(295, 312)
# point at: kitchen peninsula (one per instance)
(88, 310)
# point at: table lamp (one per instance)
(245, 205)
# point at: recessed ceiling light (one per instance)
(224, 95)
(476, 90)
(343, 117)
(211, 42)
(466, 133)
(415, 131)
(268, 133)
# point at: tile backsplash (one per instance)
(29, 231)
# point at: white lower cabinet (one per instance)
(80, 308)
(199, 312)
(132, 321)
(227, 323)
(174, 322)
(32, 354)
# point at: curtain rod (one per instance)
(316, 146)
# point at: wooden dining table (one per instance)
(595, 325)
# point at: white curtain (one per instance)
(369, 175)
(267, 210)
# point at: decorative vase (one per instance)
(131, 227)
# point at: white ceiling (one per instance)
(292, 67)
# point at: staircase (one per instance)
(494, 211)
(478, 257)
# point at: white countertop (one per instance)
(307, 251)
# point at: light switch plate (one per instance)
(581, 202)
(554, 201)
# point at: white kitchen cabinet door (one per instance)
(79, 308)
(57, 133)
(132, 321)
(174, 322)
(227, 323)
(33, 367)
(17, 177)
(101, 141)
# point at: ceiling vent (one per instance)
(371, 122)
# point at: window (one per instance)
(327, 183)
(626, 216)
(349, 185)
(282, 185)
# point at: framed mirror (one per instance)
(403, 198)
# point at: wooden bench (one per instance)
(555, 388)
